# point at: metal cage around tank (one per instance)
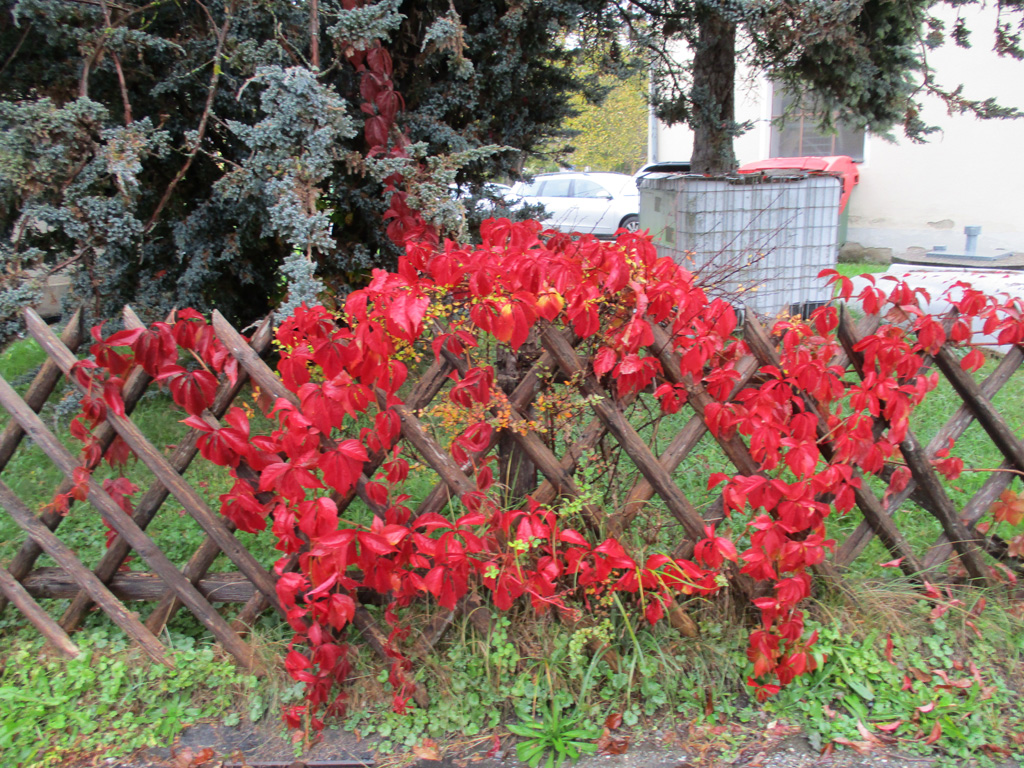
(758, 240)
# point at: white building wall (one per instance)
(971, 172)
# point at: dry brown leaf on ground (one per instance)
(426, 750)
(187, 758)
(609, 746)
(860, 747)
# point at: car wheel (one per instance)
(630, 224)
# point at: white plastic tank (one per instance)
(759, 241)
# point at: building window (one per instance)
(800, 135)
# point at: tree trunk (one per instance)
(714, 79)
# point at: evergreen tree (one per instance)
(863, 60)
(178, 154)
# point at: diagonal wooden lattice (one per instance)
(959, 535)
(196, 589)
(131, 529)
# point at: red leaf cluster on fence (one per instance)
(342, 432)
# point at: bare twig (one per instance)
(124, 90)
(21, 42)
(83, 83)
(74, 174)
(117, 66)
(207, 107)
(67, 262)
(99, 3)
(969, 469)
(314, 34)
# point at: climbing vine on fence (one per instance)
(809, 428)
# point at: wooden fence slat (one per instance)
(378, 641)
(38, 393)
(551, 468)
(591, 435)
(981, 406)
(432, 381)
(990, 543)
(56, 549)
(468, 605)
(42, 386)
(120, 521)
(691, 433)
(30, 551)
(196, 567)
(733, 447)
(951, 430)
(868, 325)
(699, 399)
(684, 441)
(964, 541)
(257, 604)
(422, 393)
(159, 466)
(42, 621)
(634, 446)
(152, 500)
(531, 444)
(439, 496)
(757, 340)
(923, 473)
(520, 398)
(230, 587)
(432, 453)
(247, 358)
(975, 509)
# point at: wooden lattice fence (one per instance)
(171, 587)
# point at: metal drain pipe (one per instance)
(971, 246)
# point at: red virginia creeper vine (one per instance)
(347, 375)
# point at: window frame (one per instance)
(607, 194)
(804, 121)
(543, 191)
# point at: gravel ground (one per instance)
(770, 746)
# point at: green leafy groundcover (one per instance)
(112, 701)
(109, 701)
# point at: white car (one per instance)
(486, 197)
(587, 203)
(662, 169)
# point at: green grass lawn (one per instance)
(860, 268)
(34, 478)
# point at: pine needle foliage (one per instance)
(176, 154)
